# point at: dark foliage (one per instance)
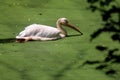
(116, 37)
(101, 47)
(111, 25)
(91, 62)
(111, 71)
(107, 12)
(111, 55)
(102, 66)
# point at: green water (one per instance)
(50, 60)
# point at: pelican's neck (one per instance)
(59, 27)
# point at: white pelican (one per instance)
(44, 33)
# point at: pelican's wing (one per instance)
(38, 30)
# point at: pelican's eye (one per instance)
(66, 21)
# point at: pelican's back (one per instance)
(39, 30)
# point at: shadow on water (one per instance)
(12, 40)
(7, 40)
(74, 35)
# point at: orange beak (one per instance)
(74, 28)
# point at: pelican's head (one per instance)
(64, 21)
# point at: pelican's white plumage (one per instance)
(40, 32)
(44, 32)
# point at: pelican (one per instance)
(44, 32)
